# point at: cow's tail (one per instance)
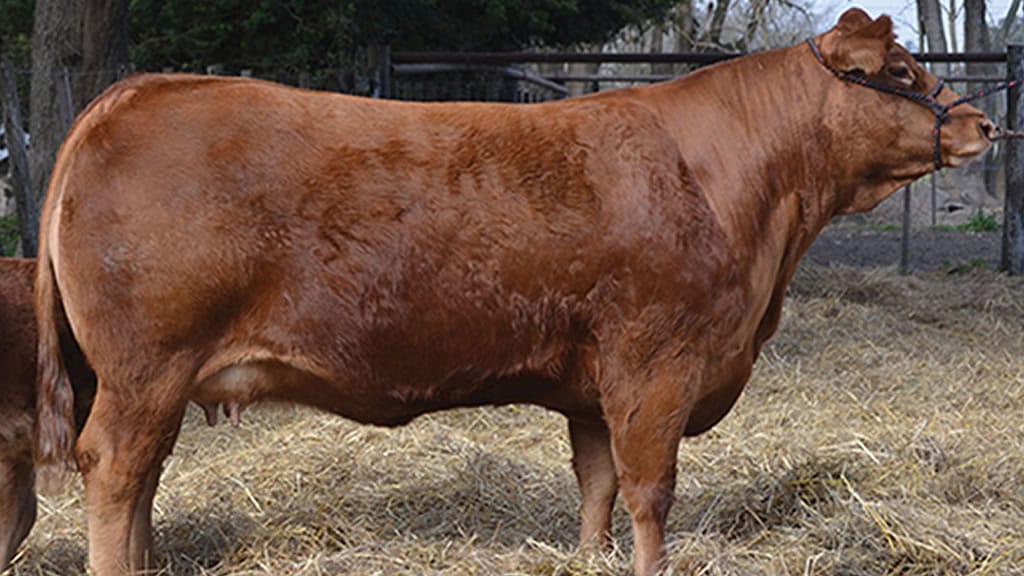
(55, 429)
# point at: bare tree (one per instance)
(674, 34)
(929, 13)
(54, 47)
(952, 16)
(754, 22)
(976, 39)
(684, 24)
(78, 48)
(975, 27)
(1008, 24)
(711, 35)
(656, 44)
(27, 208)
(104, 46)
(748, 25)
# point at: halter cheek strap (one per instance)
(929, 100)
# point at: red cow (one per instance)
(17, 404)
(18, 401)
(620, 258)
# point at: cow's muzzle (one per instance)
(995, 133)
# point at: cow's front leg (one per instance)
(646, 420)
(595, 471)
(17, 500)
(120, 454)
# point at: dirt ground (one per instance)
(930, 249)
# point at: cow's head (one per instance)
(888, 106)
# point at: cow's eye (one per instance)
(901, 73)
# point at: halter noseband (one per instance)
(941, 111)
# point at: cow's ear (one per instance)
(852, 20)
(858, 44)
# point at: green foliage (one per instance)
(9, 237)
(16, 31)
(499, 24)
(292, 35)
(313, 34)
(980, 222)
(264, 34)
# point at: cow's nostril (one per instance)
(988, 129)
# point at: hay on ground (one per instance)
(882, 432)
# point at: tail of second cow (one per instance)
(55, 430)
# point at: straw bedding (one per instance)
(882, 432)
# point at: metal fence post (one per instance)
(381, 55)
(905, 239)
(934, 194)
(1013, 212)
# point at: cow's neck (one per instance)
(757, 145)
(754, 135)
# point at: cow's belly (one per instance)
(373, 396)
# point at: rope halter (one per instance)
(941, 111)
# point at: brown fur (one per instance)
(17, 404)
(18, 343)
(620, 258)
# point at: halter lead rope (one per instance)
(941, 111)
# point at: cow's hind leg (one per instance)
(120, 453)
(595, 471)
(646, 424)
(141, 549)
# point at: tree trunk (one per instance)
(657, 46)
(976, 36)
(929, 13)
(684, 26)
(754, 22)
(951, 14)
(711, 36)
(976, 40)
(1008, 24)
(685, 32)
(27, 208)
(104, 47)
(54, 46)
